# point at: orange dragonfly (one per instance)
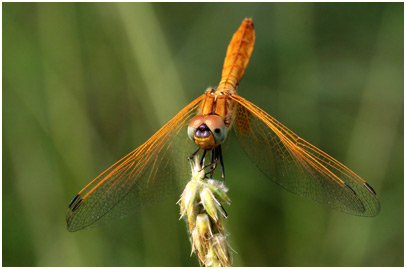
(156, 169)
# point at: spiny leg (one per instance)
(209, 164)
(223, 173)
(193, 154)
(202, 159)
(213, 163)
(216, 156)
(214, 160)
(225, 212)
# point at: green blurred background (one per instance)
(84, 84)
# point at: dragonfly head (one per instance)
(207, 131)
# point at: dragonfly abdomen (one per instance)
(237, 57)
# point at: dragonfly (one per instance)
(159, 167)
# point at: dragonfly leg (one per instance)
(223, 174)
(213, 163)
(216, 156)
(193, 154)
(225, 212)
(207, 165)
(214, 160)
(202, 159)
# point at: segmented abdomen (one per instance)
(238, 55)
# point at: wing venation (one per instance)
(154, 171)
(299, 166)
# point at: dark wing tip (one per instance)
(76, 202)
(369, 187)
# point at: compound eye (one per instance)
(191, 132)
(194, 123)
(217, 127)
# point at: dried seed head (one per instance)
(209, 203)
(197, 245)
(219, 190)
(211, 259)
(197, 171)
(220, 247)
(203, 226)
(189, 196)
(201, 202)
(192, 215)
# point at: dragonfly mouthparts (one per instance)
(203, 131)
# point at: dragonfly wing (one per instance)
(299, 166)
(150, 173)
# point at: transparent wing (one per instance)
(152, 172)
(299, 166)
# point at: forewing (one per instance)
(299, 166)
(152, 172)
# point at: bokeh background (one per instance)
(85, 83)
